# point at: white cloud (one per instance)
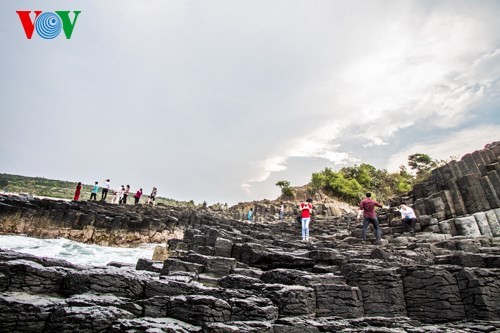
(421, 70)
(459, 143)
(241, 90)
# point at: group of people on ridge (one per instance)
(119, 196)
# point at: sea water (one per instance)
(74, 252)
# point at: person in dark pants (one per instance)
(137, 196)
(152, 197)
(125, 195)
(367, 207)
(408, 218)
(93, 194)
(105, 190)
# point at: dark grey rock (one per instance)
(157, 325)
(28, 276)
(196, 309)
(291, 300)
(22, 312)
(338, 300)
(253, 309)
(149, 265)
(432, 295)
(480, 292)
(223, 247)
(110, 280)
(84, 319)
(235, 281)
(382, 289)
(173, 264)
(239, 327)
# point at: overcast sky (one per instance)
(218, 100)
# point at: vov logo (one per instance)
(48, 25)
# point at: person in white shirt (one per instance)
(408, 217)
(117, 196)
(105, 190)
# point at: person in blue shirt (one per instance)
(250, 215)
(94, 191)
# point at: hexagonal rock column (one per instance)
(291, 300)
(467, 226)
(338, 300)
(432, 295)
(382, 289)
(480, 291)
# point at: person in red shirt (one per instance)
(367, 206)
(137, 196)
(306, 211)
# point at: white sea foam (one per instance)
(74, 252)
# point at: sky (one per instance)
(217, 100)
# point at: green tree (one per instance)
(283, 183)
(286, 190)
(422, 163)
(350, 183)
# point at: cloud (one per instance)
(459, 143)
(216, 100)
(426, 70)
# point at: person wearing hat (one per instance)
(306, 212)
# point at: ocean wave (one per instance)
(74, 252)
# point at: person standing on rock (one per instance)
(125, 194)
(250, 215)
(408, 218)
(105, 190)
(77, 191)
(282, 212)
(137, 196)
(367, 207)
(152, 196)
(306, 212)
(116, 196)
(93, 194)
(120, 194)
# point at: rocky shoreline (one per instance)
(223, 274)
(228, 276)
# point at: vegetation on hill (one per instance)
(60, 189)
(351, 183)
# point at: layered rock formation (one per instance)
(226, 275)
(93, 222)
(463, 197)
(230, 276)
